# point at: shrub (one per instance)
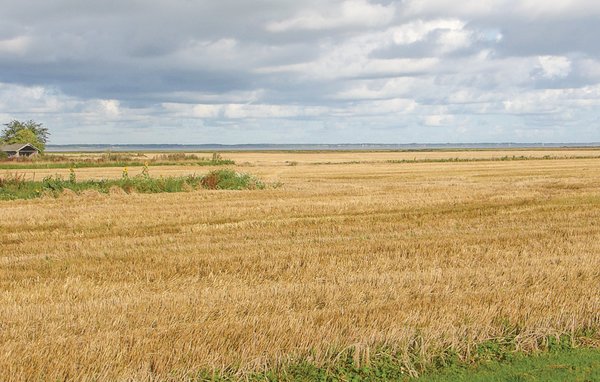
(53, 183)
(12, 180)
(176, 157)
(114, 157)
(16, 187)
(230, 180)
(210, 181)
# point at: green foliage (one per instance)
(25, 132)
(230, 180)
(14, 186)
(384, 366)
(145, 171)
(495, 360)
(72, 176)
(565, 365)
(177, 157)
(27, 136)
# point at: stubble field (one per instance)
(414, 258)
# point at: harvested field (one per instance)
(414, 257)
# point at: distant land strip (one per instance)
(315, 147)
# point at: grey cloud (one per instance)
(551, 37)
(283, 59)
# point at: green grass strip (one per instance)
(567, 365)
(557, 359)
(16, 187)
(577, 365)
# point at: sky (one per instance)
(311, 71)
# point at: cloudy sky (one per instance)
(312, 71)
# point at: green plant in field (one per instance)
(72, 176)
(565, 365)
(386, 365)
(230, 180)
(177, 157)
(145, 172)
(12, 180)
(14, 186)
(53, 183)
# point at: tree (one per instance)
(27, 136)
(25, 132)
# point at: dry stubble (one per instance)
(152, 286)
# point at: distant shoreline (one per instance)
(316, 147)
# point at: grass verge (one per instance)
(564, 364)
(14, 186)
(576, 365)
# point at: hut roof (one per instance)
(16, 147)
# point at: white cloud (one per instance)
(354, 57)
(554, 101)
(451, 7)
(242, 111)
(555, 66)
(15, 45)
(417, 30)
(393, 106)
(19, 99)
(589, 68)
(350, 13)
(526, 9)
(383, 89)
(206, 111)
(438, 119)
(342, 65)
(452, 40)
(109, 107)
(542, 8)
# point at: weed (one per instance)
(14, 186)
(177, 157)
(145, 171)
(230, 180)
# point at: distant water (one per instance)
(314, 147)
